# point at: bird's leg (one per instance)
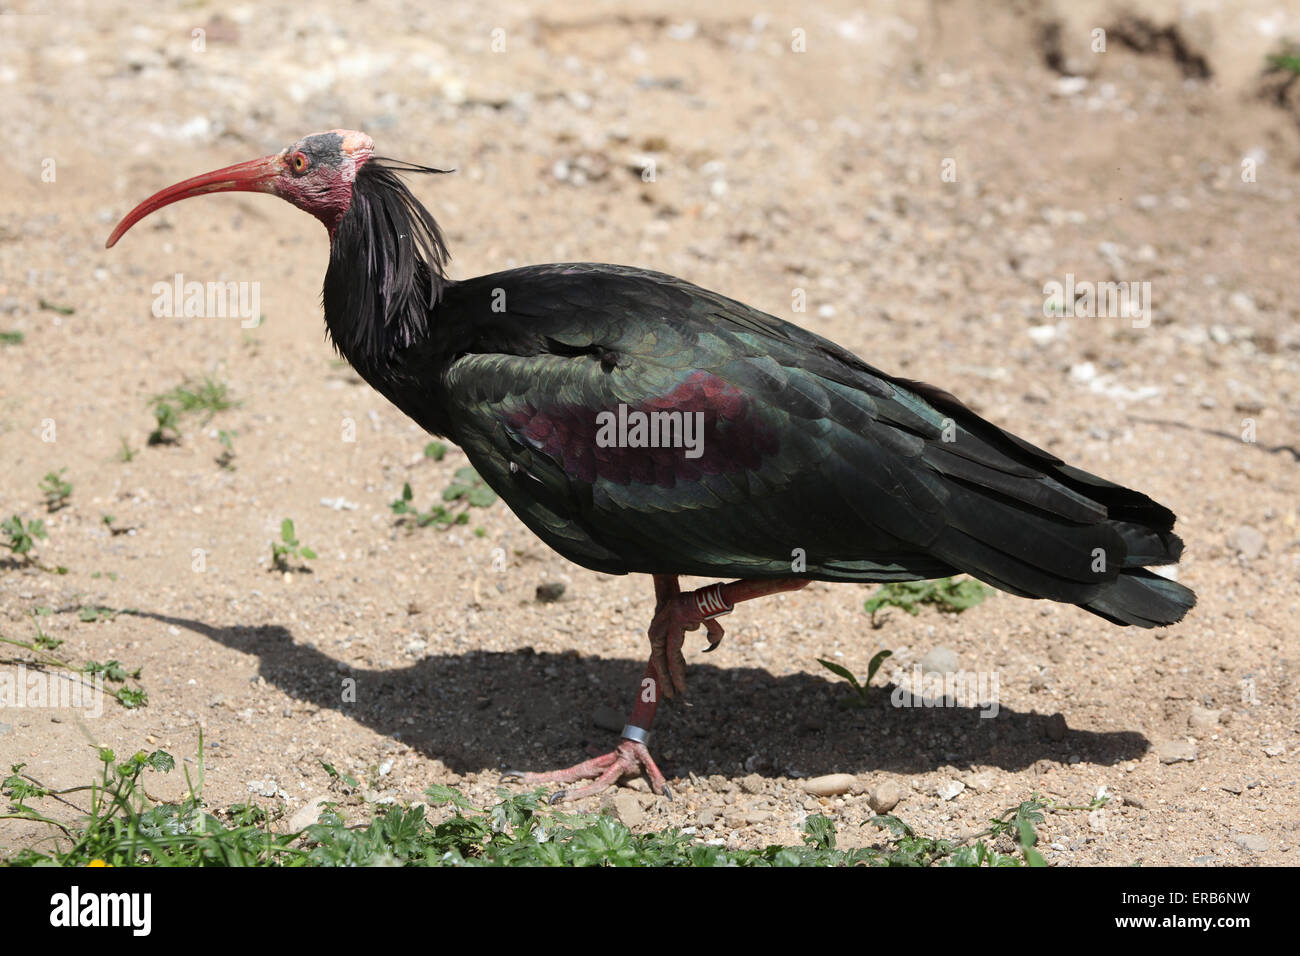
(630, 756)
(675, 614)
(678, 613)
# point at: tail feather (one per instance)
(1030, 524)
(1142, 598)
(1148, 547)
(986, 502)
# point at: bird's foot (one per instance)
(628, 759)
(675, 616)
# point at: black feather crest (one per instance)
(387, 266)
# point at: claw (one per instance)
(716, 634)
(511, 775)
(668, 793)
(630, 757)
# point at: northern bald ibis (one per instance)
(639, 423)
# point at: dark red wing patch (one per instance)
(654, 441)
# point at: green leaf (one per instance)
(438, 794)
(947, 594)
(819, 832)
(876, 662)
(161, 761)
(132, 697)
(888, 821)
(481, 497)
(840, 671)
(112, 670)
(1026, 830)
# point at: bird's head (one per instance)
(387, 256)
(316, 174)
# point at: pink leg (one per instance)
(675, 614)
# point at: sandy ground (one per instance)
(775, 171)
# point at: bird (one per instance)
(640, 424)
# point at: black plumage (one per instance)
(808, 450)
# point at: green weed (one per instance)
(466, 491)
(22, 537)
(947, 594)
(288, 547)
(190, 397)
(872, 666)
(124, 826)
(56, 490)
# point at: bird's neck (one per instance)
(386, 274)
(368, 323)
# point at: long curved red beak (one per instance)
(254, 176)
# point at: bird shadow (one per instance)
(482, 711)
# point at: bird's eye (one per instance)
(299, 162)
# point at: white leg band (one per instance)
(709, 602)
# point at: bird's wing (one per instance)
(807, 453)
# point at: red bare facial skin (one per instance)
(315, 174)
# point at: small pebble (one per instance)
(1248, 542)
(1173, 751)
(550, 591)
(940, 660)
(884, 796)
(1056, 727)
(830, 785)
(625, 807)
(949, 789)
(1254, 842)
(308, 813)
